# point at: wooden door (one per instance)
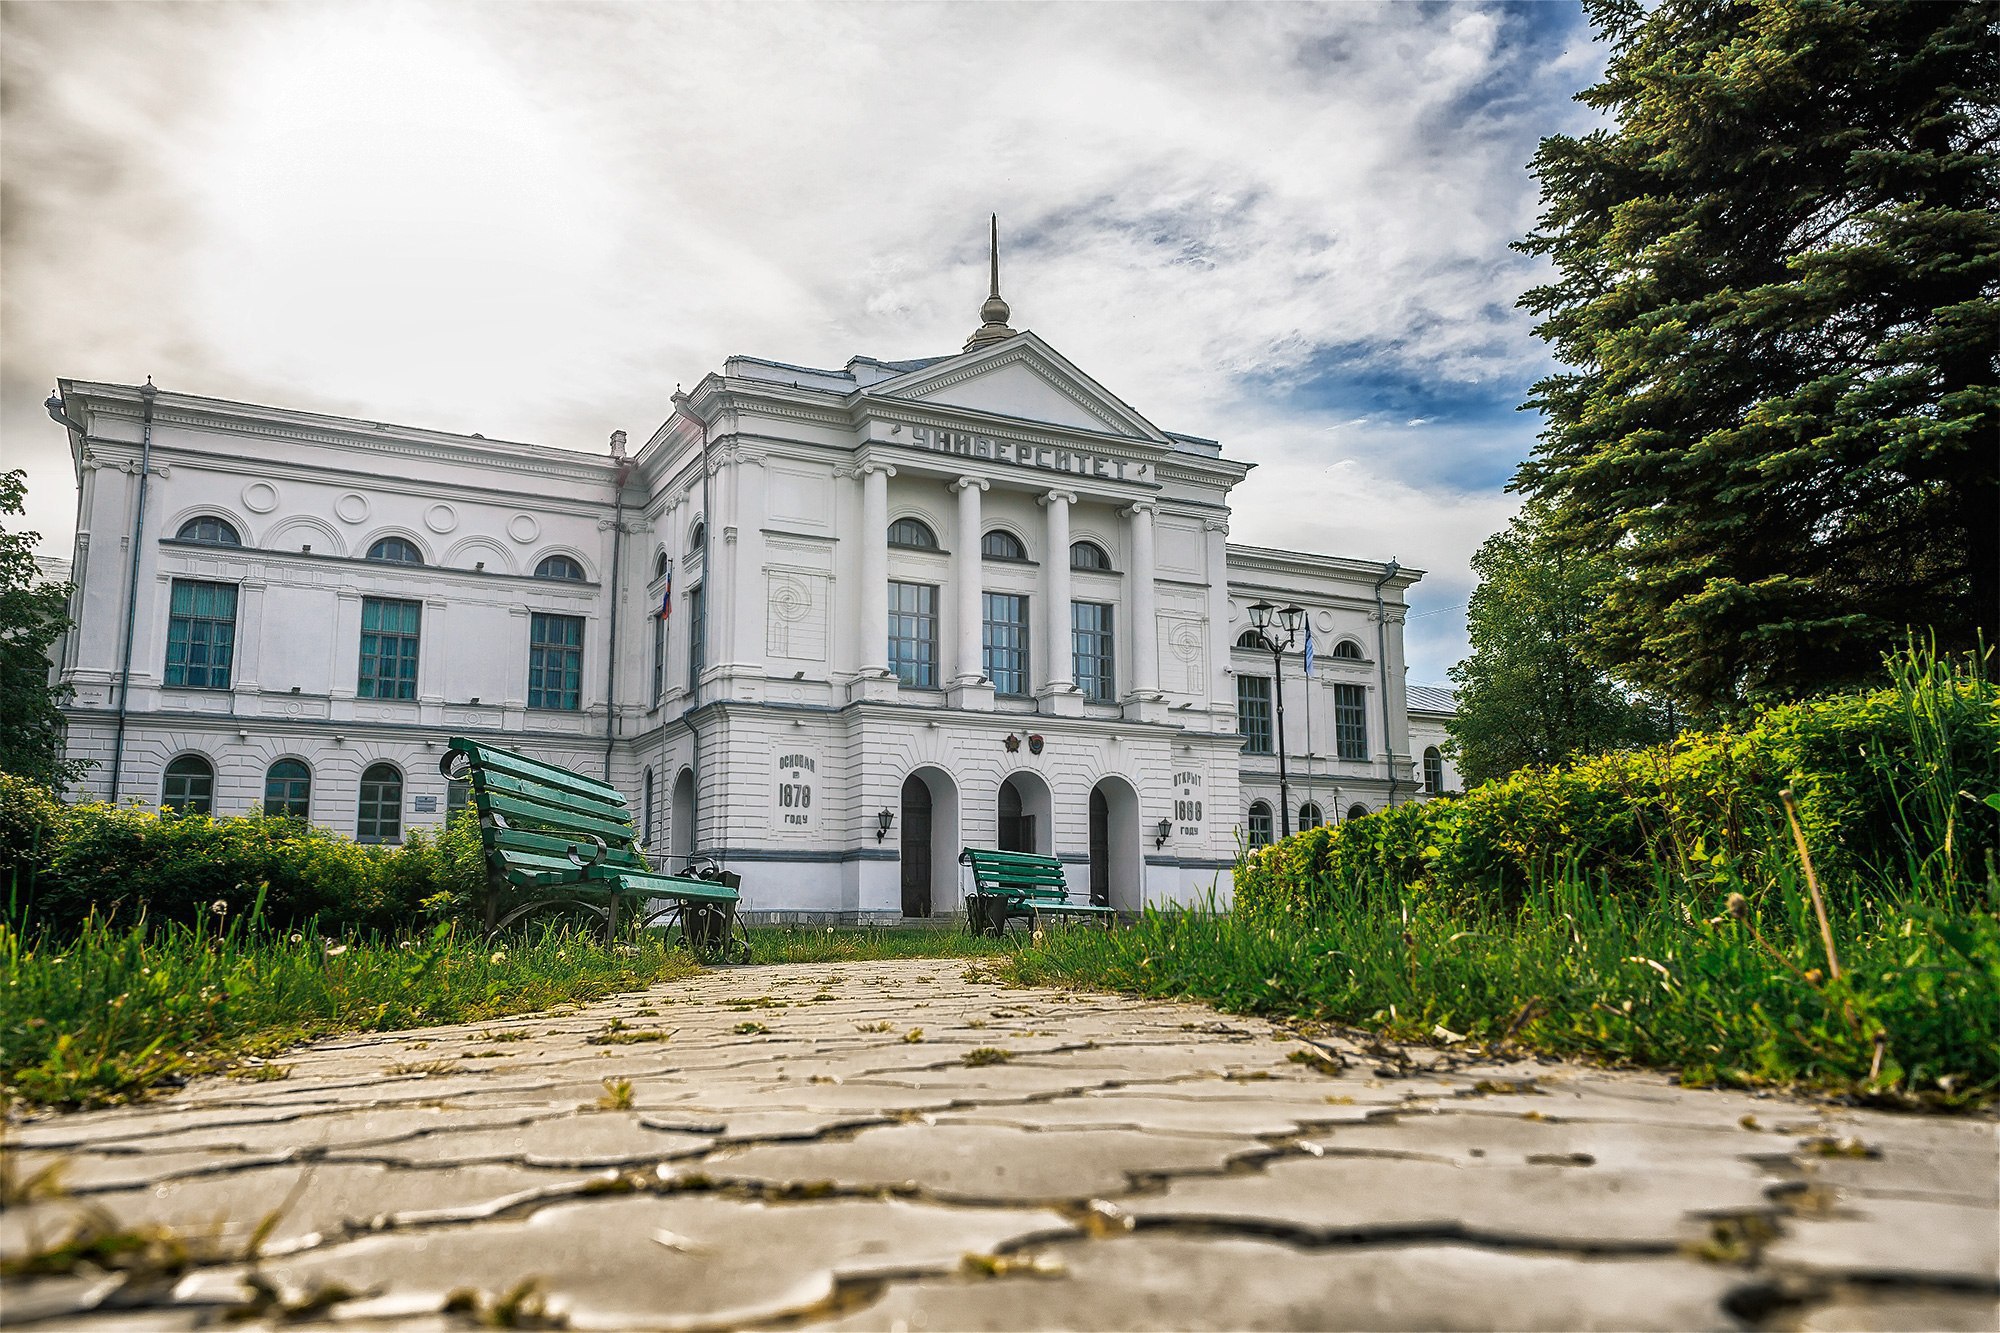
(916, 847)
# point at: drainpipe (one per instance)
(611, 652)
(146, 395)
(686, 404)
(1382, 656)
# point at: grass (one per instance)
(1722, 988)
(855, 944)
(109, 1013)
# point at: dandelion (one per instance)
(500, 956)
(220, 907)
(298, 938)
(335, 950)
(408, 945)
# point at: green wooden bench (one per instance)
(1019, 885)
(556, 839)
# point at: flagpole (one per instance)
(1308, 691)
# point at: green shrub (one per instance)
(30, 824)
(1880, 780)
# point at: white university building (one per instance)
(825, 626)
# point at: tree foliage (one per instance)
(1777, 299)
(33, 615)
(1527, 694)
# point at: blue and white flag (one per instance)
(667, 593)
(1309, 650)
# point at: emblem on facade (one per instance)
(1034, 745)
(1013, 743)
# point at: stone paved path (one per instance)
(906, 1145)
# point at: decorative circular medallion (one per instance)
(523, 528)
(351, 507)
(1324, 619)
(1234, 614)
(260, 497)
(440, 518)
(790, 602)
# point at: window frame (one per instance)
(408, 545)
(222, 524)
(1318, 816)
(1263, 740)
(367, 684)
(297, 791)
(1347, 650)
(219, 640)
(1259, 813)
(659, 658)
(542, 565)
(913, 657)
(546, 655)
(697, 600)
(1099, 559)
(1095, 646)
(1433, 771)
(363, 832)
(1019, 554)
(911, 523)
(1008, 639)
(1350, 722)
(189, 802)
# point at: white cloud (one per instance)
(532, 221)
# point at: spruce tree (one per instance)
(1777, 305)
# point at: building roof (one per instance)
(1432, 699)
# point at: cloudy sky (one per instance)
(1284, 227)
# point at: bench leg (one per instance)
(611, 919)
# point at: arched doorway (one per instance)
(1115, 854)
(680, 820)
(1026, 815)
(928, 841)
(916, 823)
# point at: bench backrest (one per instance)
(1022, 874)
(533, 814)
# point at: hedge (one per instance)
(1886, 784)
(59, 863)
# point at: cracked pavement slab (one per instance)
(904, 1144)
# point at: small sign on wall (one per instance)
(792, 791)
(423, 805)
(1187, 804)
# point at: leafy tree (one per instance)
(1527, 694)
(33, 614)
(1777, 297)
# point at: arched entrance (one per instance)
(916, 822)
(928, 841)
(1115, 854)
(1027, 821)
(680, 820)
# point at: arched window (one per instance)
(1260, 824)
(380, 815)
(1088, 555)
(559, 567)
(1250, 638)
(396, 551)
(659, 566)
(209, 531)
(912, 534)
(646, 829)
(698, 537)
(288, 789)
(1310, 816)
(189, 786)
(1357, 811)
(1001, 544)
(1433, 771)
(1347, 650)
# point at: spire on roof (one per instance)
(995, 311)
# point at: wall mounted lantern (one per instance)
(883, 819)
(1160, 833)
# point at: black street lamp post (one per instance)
(1268, 621)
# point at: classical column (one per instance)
(873, 657)
(1058, 661)
(970, 668)
(1145, 631)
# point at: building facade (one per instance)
(826, 626)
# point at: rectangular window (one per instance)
(659, 658)
(1253, 713)
(913, 634)
(1090, 639)
(555, 661)
(201, 634)
(389, 648)
(697, 636)
(1350, 721)
(1004, 640)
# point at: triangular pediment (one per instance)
(1026, 379)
